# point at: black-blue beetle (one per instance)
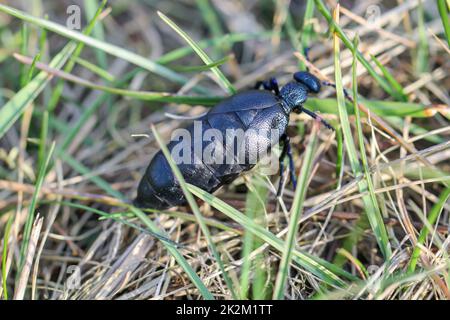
(254, 109)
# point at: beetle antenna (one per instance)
(317, 117)
(346, 94)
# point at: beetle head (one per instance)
(308, 80)
(295, 93)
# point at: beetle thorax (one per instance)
(294, 94)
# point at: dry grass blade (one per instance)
(29, 256)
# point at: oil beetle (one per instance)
(254, 109)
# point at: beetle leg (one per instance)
(291, 164)
(280, 184)
(271, 85)
(258, 85)
(306, 53)
(317, 117)
(265, 84)
(274, 85)
(286, 151)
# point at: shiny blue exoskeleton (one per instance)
(254, 109)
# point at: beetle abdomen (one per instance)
(223, 155)
(204, 168)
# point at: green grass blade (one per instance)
(12, 110)
(301, 40)
(190, 199)
(212, 20)
(24, 50)
(202, 54)
(43, 139)
(371, 207)
(32, 68)
(202, 68)
(307, 28)
(34, 201)
(227, 39)
(379, 107)
(296, 210)
(443, 12)
(94, 69)
(339, 151)
(98, 32)
(210, 17)
(294, 37)
(373, 211)
(422, 56)
(398, 89)
(43, 41)
(432, 217)
(5, 256)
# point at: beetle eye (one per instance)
(309, 80)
